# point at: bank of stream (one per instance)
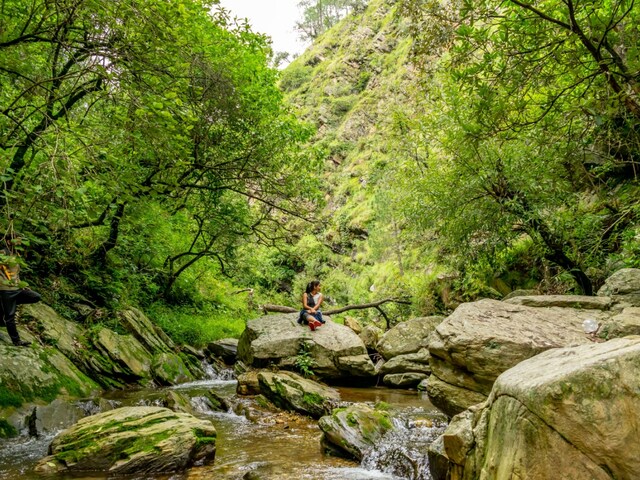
(275, 446)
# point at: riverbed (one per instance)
(270, 446)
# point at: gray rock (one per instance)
(482, 339)
(566, 413)
(451, 399)
(625, 323)
(57, 415)
(358, 365)
(278, 339)
(623, 282)
(407, 337)
(412, 362)
(566, 301)
(226, 349)
(355, 429)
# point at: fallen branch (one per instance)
(334, 311)
(278, 309)
(364, 306)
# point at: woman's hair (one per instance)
(311, 285)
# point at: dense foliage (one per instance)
(142, 142)
(475, 147)
(533, 121)
(452, 150)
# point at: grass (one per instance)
(191, 326)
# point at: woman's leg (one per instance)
(8, 299)
(312, 322)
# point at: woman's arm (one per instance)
(320, 299)
(304, 303)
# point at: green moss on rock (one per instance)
(6, 429)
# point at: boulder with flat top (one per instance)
(335, 351)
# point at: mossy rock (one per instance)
(355, 429)
(292, 392)
(132, 440)
(169, 369)
(36, 375)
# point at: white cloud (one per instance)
(276, 18)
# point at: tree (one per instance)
(320, 15)
(532, 115)
(133, 105)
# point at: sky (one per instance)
(276, 18)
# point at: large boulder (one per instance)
(623, 286)
(482, 339)
(566, 413)
(59, 414)
(404, 380)
(407, 337)
(36, 376)
(132, 441)
(290, 391)
(336, 351)
(625, 323)
(417, 362)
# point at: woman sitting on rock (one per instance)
(311, 301)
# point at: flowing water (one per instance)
(272, 445)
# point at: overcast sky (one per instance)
(276, 18)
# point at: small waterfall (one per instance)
(201, 404)
(214, 372)
(403, 451)
(214, 375)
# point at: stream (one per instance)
(270, 446)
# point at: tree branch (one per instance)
(335, 311)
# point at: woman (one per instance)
(13, 291)
(311, 301)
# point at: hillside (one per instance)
(439, 194)
(352, 84)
